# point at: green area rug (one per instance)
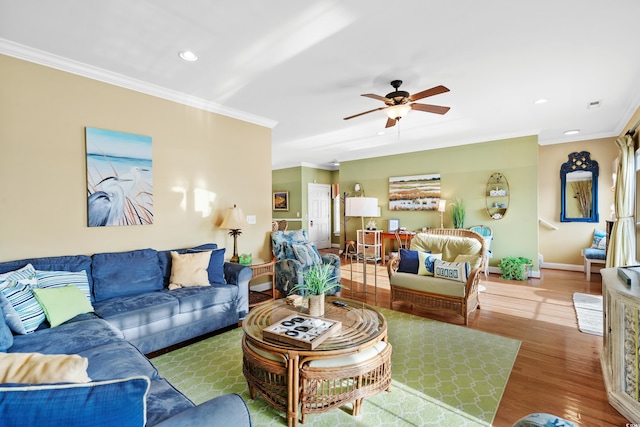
(443, 375)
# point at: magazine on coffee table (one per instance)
(301, 331)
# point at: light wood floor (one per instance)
(558, 367)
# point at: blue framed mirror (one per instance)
(579, 189)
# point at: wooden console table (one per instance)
(388, 235)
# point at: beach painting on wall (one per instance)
(414, 193)
(119, 180)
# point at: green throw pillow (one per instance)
(62, 303)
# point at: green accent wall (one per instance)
(295, 180)
(464, 172)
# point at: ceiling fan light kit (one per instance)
(399, 103)
(397, 111)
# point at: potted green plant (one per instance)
(515, 268)
(458, 213)
(315, 282)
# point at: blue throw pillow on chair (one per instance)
(409, 261)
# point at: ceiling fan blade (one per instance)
(429, 92)
(390, 122)
(366, 112)
(374, 96)
(437, 109)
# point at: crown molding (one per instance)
(50, 60)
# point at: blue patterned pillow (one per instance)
(120, 402)
(599, 239)
(16, 287)
(307, 254)
(55, 279)
(458, 271)
(427, 260)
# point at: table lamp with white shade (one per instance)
(442, 206)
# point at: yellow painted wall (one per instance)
(562, 246)
(202, 164)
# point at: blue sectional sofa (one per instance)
(106, 312)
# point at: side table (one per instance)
(261, 268)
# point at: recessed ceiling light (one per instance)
(188, 55)
(594, 104)
(541, 101)
(572, 131)
(380, 133)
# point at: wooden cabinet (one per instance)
(369, 245)
(497, 196)
(619, 358)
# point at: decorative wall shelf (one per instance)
(498, 196)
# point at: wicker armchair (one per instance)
(429, 293)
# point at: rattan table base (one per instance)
(282, 374)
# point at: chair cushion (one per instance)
(351, 359)
(591, 253)
(449, 246)
(434, 285)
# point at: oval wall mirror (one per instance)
(579, 189)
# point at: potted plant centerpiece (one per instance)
(315, 282)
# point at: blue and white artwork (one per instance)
(119, 180)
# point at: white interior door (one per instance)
(319, 217)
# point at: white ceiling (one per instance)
(301, 66)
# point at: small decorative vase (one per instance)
(316, 305)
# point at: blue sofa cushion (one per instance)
(56, 263)
(216, 262)
(117, 274)
(117, 360)
(68, 338)
(6, 337)
(138, 310)
(110, 403)
(165, 401)
(201, 297)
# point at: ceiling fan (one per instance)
(399, 103)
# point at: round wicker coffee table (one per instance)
(351, 364)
